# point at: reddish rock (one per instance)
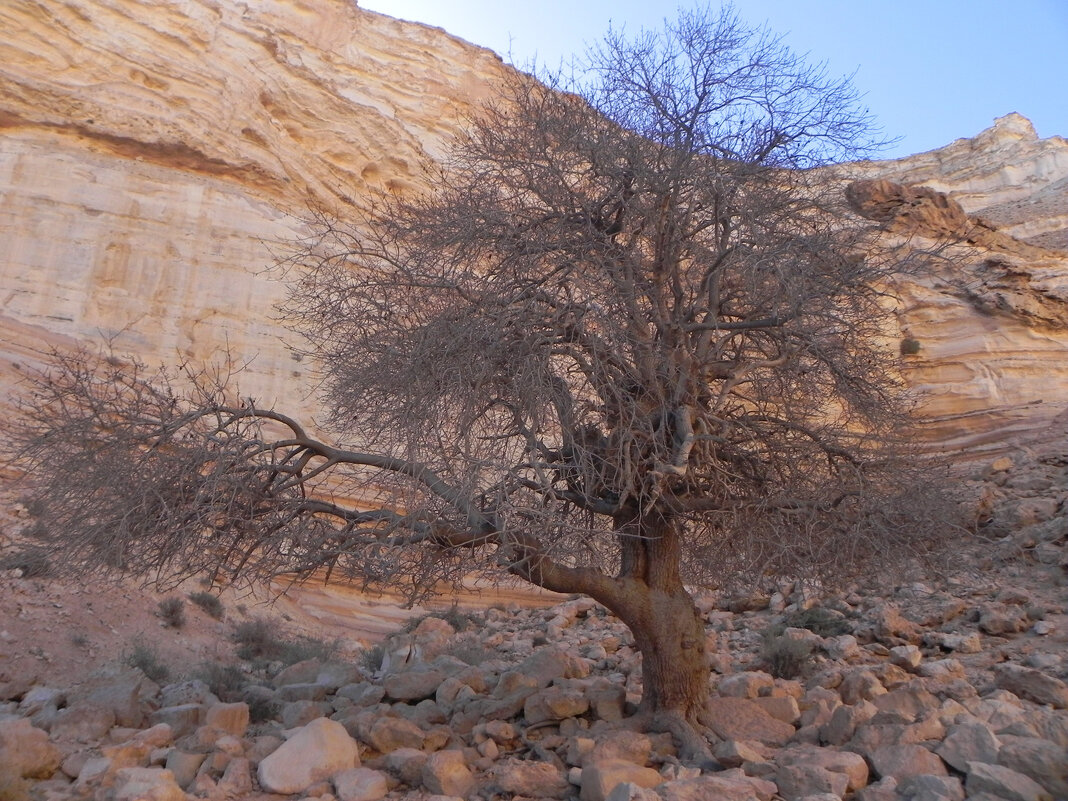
(741, 719)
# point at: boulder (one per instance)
(532, 779)
(389, 733)
(730, 785)
(600, 777)
(25, 750)
(1003, 782)
(966, 742)
(1032, 684)
(901, 761)
(146, 784)
(741, 719)
(446, 773)
(316, 752)
(361, 784)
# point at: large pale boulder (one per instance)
(316, 752)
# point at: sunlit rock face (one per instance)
(155, 158)
(991, 317)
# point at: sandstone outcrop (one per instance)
(156, 159)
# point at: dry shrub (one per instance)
(172, 610)
(209, 602)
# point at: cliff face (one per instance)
(154, 158)
(991, 317)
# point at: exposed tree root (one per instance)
(689, 736)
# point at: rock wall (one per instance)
(991, 317)
(155, 157)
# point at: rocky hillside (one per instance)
(941, 690)
(157, 157)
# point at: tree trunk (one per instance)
(649, 597)
(667, 627)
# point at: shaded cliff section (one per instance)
(156, 157)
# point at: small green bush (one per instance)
(784, 657)
(209, 602)
(144, 656)
(910, 346)
(172, 610)
(79, 640)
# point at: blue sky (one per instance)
(932, 70)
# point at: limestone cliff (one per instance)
(155, 156)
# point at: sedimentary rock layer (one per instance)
(156, 158)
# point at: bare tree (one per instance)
(631, 340)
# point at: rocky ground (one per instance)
(946, 689)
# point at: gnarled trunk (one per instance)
(667, 627)
(649, 597)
